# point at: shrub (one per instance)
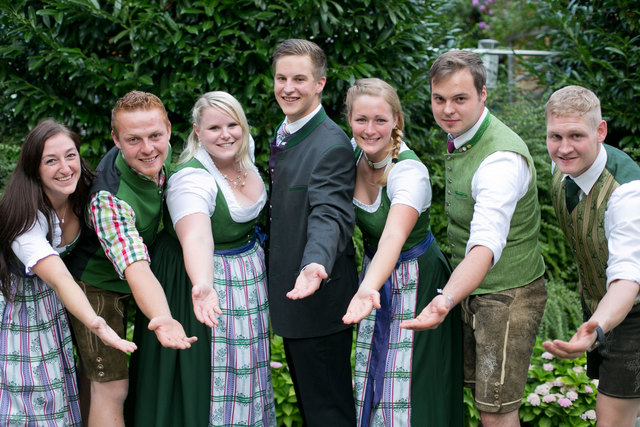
(72, 60)
(600, 46)
(558, 392)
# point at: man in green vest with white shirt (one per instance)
(596, 195)
(494, 219)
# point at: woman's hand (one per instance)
(361, 305)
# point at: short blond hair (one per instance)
(575, 101)
(134, 101)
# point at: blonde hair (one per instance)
(575, 101)
(134, 101)
(231, 107)
(378, 87)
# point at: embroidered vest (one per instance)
(584, 226)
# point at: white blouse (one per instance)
(407, 183)
(33, 246)
(193, 190)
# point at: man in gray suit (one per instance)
(312, 274)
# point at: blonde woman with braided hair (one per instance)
(401, 377)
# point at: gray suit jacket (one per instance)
(311, 220)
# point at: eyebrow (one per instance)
(44, 156)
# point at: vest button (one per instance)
(449, 180)
(448, 191)
(448, 157)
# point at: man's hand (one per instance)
(108, 336)
(308, 281)
(361, 305)
(432, 315)
(206, 304)
(580, 342)
(170, 333)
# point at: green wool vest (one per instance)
(372, 223)
(227, 234)
(584, 226)
(521, 262)
(88, 260)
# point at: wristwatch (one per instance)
(599, 338)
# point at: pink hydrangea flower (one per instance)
(557, 382)
(542, 389)
(549, 398)
(548, 366)
(572, 396)
(276, 365)
(588, 389)
(533, 399)
(547, 355)
(578, 369)
(564, 402)
(483, 25)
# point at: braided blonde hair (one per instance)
(378, 87)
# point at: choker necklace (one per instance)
(378, 165)
(240, 179)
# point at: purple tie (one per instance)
(451, 146)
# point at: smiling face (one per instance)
(220, 134)
(59, 167)
(295, 87)
(573, 143)
(143, 138)
(455, 102)
(372, 121)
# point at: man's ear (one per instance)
(602, 131)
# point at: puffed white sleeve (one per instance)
(408, 184)
(32, 245)
(189, 191)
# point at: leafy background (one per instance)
(72, 59)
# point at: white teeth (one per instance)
(64, 179)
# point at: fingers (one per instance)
(170, 333)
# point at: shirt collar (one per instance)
(465, 137)
(298, 124)
(587, 180)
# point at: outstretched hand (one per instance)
(361, 305)
(431, 316)
(108, 336)
(170, 333)
(308, 281)
(206, 304)
(580, 342)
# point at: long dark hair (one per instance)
(24, 195)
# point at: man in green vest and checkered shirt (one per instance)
(494, 220)
(596, 196)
